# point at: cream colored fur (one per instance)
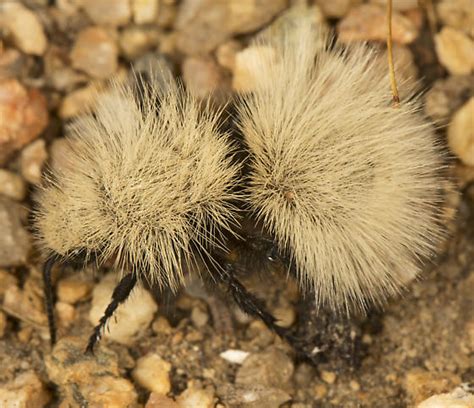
(142, 186)
(348, 184)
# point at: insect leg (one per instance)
(252, 305)
(119, 295)
(49, 298)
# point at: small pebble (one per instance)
(253, 396)
(199, 317)
(202, 76)
(194, 336)
(131, 319)
(73, 289)
(136, 41)
(95, 52)
(459, 398)
(336, 8)
(32, 159)
(3, 324)
(161, 325)
(285, 316)
(12, 185)
(160, 401)
(95, 379)
(455, 51)
(457, 14)
(200, 31)
(145, 11)
(234, 356)
(270, 368)
(247, 16)
(355, 386)
(108, 12)
(328, 377)
(196, 398)
(291, 18)
(25, 304)
(23, 116)
(14, 239)
(368, 22)
(24, 334)
(461, 133)
(152, 372)
(66, 313)
(25, 391)
(320, 391)
(24, 27)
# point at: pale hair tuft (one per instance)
(149, 181)
(348, 185)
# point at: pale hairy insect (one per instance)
(339, 186)
(347, 186)
(149, 182)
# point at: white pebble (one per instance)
(234, 356)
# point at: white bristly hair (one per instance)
(150, 188)
(347, 184)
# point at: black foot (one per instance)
(120, 295)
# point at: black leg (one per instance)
(254, 306)
(49, 298)
(120, 295)
(78, 258)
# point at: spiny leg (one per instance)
(254, 306)
(119, 295)
(49, 298)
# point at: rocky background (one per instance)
(55, 56)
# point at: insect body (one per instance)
(341, 187)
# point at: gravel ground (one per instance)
(197, 350)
